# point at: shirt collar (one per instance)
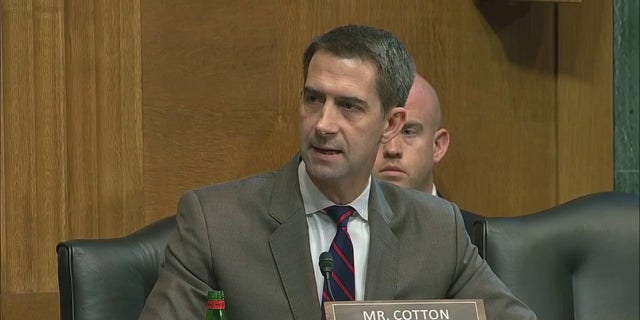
(314, 200)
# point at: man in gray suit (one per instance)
(259, 238)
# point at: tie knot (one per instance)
(339, 214)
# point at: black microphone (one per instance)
(326, 268)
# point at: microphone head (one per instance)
(326, 262)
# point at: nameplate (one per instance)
(443, 309)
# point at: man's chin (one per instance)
(392, 176)
(397, 179)
(323, 171)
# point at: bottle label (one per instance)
(215, 304)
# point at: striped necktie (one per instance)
(342, 281)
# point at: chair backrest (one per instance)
(111, 278)
(578, 260)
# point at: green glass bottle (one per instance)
(215, 306)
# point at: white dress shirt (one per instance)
(322, 229)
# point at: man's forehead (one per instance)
(422, 103)
(419, 112)
(349, 78)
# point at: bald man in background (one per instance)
(407, 160)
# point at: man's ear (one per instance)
(440, 144)
(394, 122)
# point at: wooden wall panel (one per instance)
(104, 118)
(210, 96)
(585, 98)
(210, 93)
(495, 75)
(119, 116)
(89, 150)
(34, 197)
(71, 155)
(130, 103)
(81, 116)
(49, 199)
(30, 306)
(17, 140)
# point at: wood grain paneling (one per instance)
(585, 99)
(496, 81)
(17, 140)
(495, 76)
(28, 306)
(49, 201)
(91, 148)
(104, 118)
(210, 95)
(130, 102)
(119, 116)
(34, 199)
(71, 142)
(81, 117)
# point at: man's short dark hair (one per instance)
(395, 67)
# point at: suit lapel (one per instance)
(290, 245)
(382, 266)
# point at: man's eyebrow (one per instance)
(348, 99)
(413, 124)
(352, 100)
(309, 90)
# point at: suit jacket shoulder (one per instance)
(247, 237)
(434, 255)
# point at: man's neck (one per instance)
(340, 194)
(332, 193)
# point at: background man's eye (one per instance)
(409, 131)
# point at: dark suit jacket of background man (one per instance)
(250, 238)
(468, 217)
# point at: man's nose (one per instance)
(328, 121)
(393, 148)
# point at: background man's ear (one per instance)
(440, 144)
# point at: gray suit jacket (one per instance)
(250, 238)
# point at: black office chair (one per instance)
(111, 278)
(578, 260)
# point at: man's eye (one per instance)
(409, 132)
(311, 98)
(348, 105)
